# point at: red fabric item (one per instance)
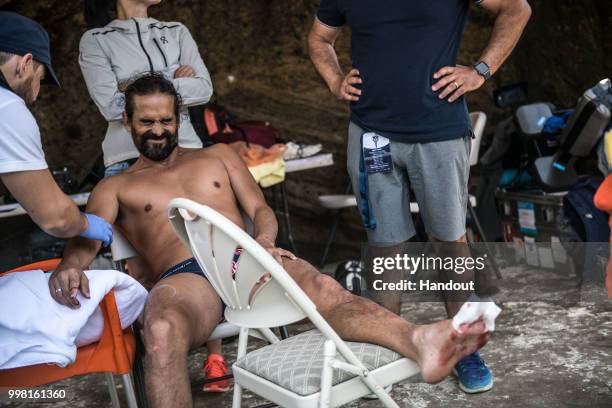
(259, 133)
(603, 201)
(255, 154)
(210, 121)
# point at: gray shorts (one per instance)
(438, 174)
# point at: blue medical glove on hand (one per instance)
(98, 229)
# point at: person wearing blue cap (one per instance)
(25, 63)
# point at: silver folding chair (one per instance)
(312, 369)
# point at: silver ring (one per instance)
(456, 85)
(58, 290)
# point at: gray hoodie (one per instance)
(125, 48)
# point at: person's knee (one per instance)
(329, 290)
(165, 340)
(462, 238)
(320, 288)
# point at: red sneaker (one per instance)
(215, 367)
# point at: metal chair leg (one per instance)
(285, 204)
(138, 369)
(241, 352)
(327, 373)
(129, 391)
(484, 240)
(112, 390)
(284, 333)
(330, 239)
(281, 210)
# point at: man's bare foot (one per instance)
(439, 346)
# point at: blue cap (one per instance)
(20, 35)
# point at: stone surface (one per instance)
(553, 353)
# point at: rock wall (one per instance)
(262, 44)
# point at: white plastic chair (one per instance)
(479, 120)
(122, 250)
(312, 369)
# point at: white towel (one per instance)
(35, 329)
(475, 309)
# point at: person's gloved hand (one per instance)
(98, 229)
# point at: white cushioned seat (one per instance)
(296, 363)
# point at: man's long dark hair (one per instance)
(99, 13)
(148, 84)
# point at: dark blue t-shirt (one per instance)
(397, 46)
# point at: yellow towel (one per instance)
(270, 173)
(608, 146)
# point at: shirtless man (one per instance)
(182, 308)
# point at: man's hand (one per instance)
(184, 71)
(456, 81)
(98, 229)
(344, 89)
(277, 253)
(64, 284)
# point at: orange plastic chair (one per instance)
(603, 201)
(113, 354)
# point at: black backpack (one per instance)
(584, 231)
(350, 275)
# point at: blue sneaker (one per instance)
(473, 374)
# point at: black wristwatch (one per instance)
(483, 69)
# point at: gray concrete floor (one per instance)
(552, 352)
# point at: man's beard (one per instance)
(25, 91)
(157, 152)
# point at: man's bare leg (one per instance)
(456, 249)
(436, 347)
(390, 299)
(214, 347)
(180, 313)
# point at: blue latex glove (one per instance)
(98, 229)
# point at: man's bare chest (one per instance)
(148, 195)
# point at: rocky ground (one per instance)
(555, 352)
